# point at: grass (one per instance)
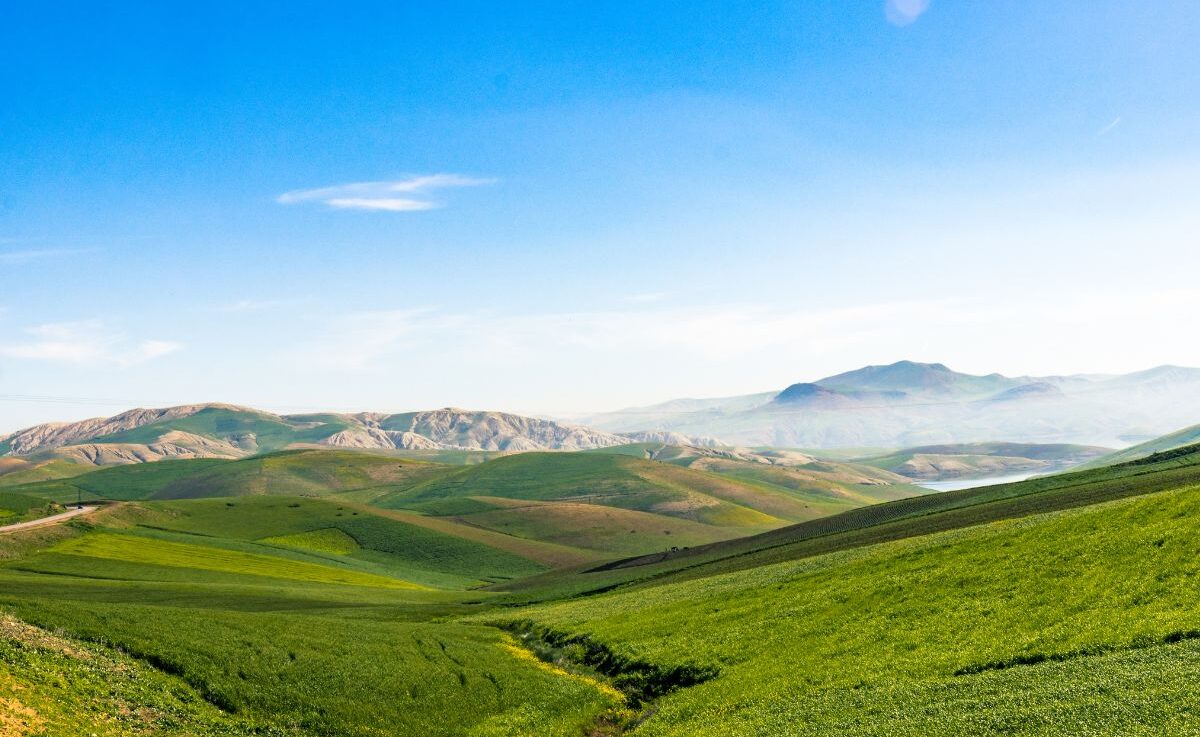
(880, 523)
(136, 549)
(327, 540)
(15, 471)
(982, 459)
(277, 645)
(398, 545)
(1056, 606)
(287, 473)
(21, 507)
(1165, 443)
(795, 642)
(254, 431)
(715, 500)
(50, 685)
(609, 530)
(322, 674)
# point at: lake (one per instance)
(956, 484)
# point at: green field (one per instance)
(953, 614)
(589, 503)
(541, 594)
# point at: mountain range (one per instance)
(901, 405)
(913, 404)
(228, 431)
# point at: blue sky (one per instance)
(584, 206)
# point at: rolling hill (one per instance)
(1061, 603)
(978, 460)
(554, 506)
(908, 404)
(1065, 615)
(227, 431)
(1168, 442)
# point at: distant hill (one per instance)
(230, 432)
(978, 460)
(1170, 441)
(581, 504)
(907, 404)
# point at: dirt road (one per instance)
(53, 519)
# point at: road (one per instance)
(53, 519)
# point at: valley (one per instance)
(642, 589)
(591, 369)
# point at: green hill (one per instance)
(1171, 441)
(16, 471)
(290, 473)
(234, 616)
(503, 598)
(18, 507)
(1066, 622)
(977, 460)
(581, 505)
(248, 430)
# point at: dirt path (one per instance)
(53, 519)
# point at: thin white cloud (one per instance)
(254, 305)
(369, 340)
(20, 257)
(904, 12)
(646, 297)
(382, 196)
(653, 343)
(390, 204)
(1108, 128)
(86, 342)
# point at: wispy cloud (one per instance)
(435, 345)
(401, 195)
(646, 297)
(904, 12)
(86, 342)
(1109, 128)
(20, 257)
(377, 339)
(254, 305)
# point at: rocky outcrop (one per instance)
(373, 437)
(668, 437)
(234, 436)
(57, 434)
(498, 431)
(171, 445)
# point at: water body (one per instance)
(956, 484)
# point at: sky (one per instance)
(556, 208)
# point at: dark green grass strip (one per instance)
(1036, 658)
(924, 515)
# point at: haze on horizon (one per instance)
(587, 207)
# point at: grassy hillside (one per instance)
(569, 506)
(251, 431)
(1062, 623)
(879, 523)
(674, 489)
(20, 507)
(1054, 606)
(17, 471)
(1177, 439)
(804, 487)
(324, 528)
(291, 473)
(976, 460)
(282, 639)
